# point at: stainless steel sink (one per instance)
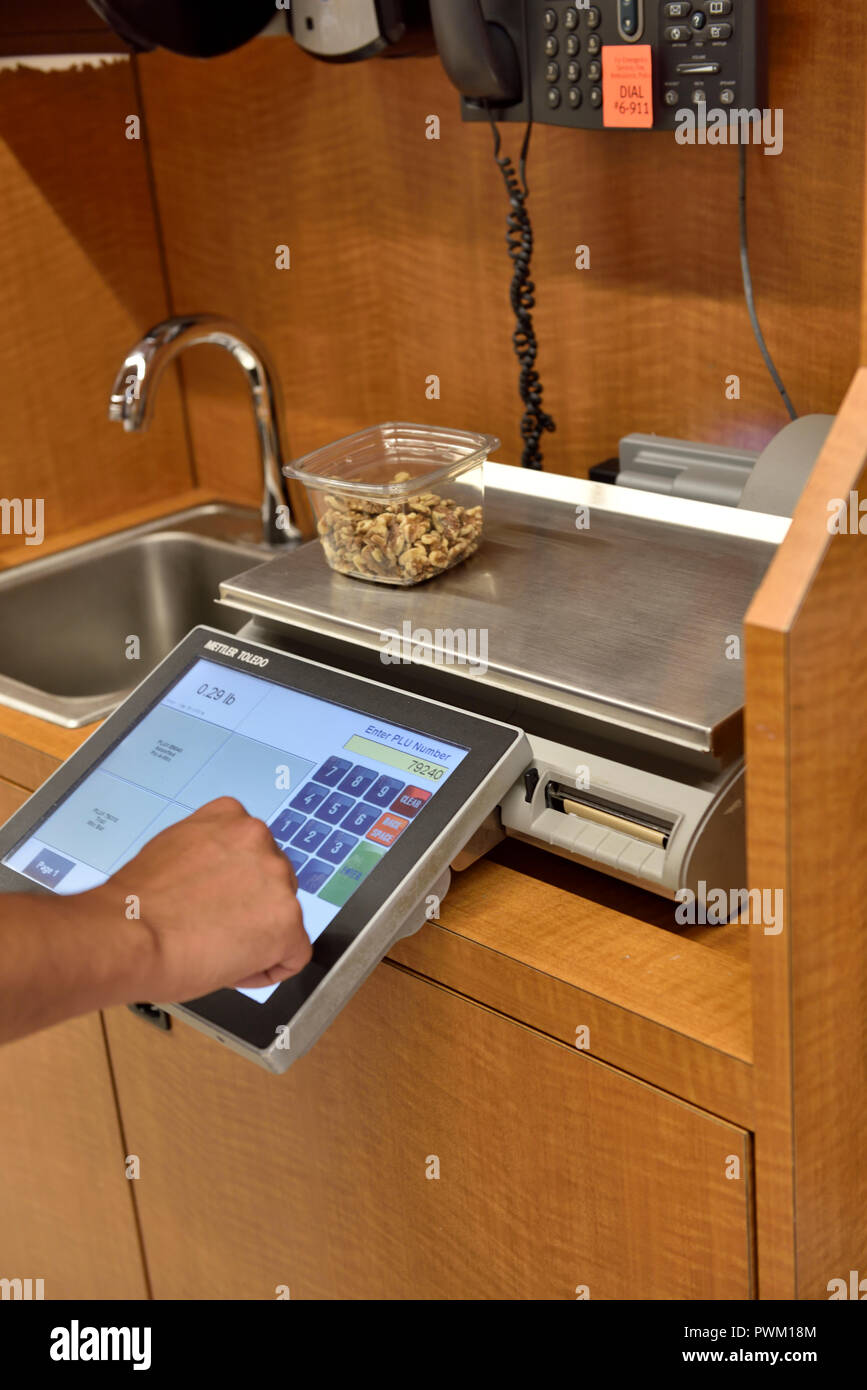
(80, 629)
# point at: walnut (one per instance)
(398, 541)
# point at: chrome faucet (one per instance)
(132, 399)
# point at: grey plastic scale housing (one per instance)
(706, 845)
(608, 643)
(771, 481)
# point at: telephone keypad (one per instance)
(707, 50)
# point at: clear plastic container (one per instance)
(398, 503)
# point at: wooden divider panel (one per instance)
(807, 793)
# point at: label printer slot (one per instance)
(574, 801)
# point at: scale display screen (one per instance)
(337, 787)
(370, 791)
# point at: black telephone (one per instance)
(527, 59)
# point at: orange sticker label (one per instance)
(627, 85)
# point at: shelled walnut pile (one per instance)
(402, 540)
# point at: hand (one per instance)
(217, 898)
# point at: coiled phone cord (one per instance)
(519, 240)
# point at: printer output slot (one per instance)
(653, 830)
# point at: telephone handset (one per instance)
(566, 63)
(479, 54)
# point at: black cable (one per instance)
(748, 288)
(519, 240)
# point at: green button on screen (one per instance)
(343, 884)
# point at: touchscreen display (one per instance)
(336, 787)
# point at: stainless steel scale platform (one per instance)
(607, 623)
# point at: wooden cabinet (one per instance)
(11, 797)
(66, 1209)
(554, 1170)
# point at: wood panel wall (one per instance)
(55, 26)
(80, 276)
(399, 268)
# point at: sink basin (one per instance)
(69, 623)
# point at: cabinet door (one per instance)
(425, 1148)
(66, 1209)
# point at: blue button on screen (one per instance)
(311, 835)
(337, 846)
(48, 867)
(383, 792)
(360, 818)
(358, 781)
(334, 807)
(331, 771)
(284, 825)
(295, 857)
(308, 798)
(314, 874)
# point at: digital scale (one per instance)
(577, 684)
